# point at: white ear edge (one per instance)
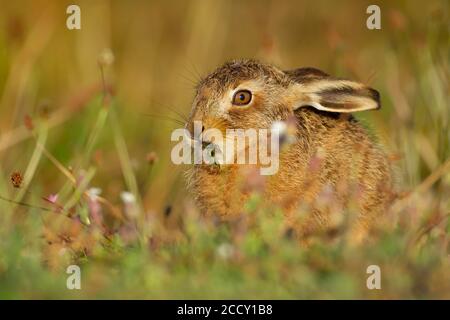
(366, 105)
(315, 105)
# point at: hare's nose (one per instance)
(195, 129)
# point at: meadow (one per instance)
(85, 172)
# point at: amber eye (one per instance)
(242, 97)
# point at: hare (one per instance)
(331, 155)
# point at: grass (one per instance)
(71, 122)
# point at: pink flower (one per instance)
(52, 198)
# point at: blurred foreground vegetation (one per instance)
(85, 122)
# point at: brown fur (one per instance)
(332, 151)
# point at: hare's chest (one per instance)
(217, 190)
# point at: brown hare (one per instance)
(331, 153)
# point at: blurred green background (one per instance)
(52, 87)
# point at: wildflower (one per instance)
(93, 193)
(106, 57)
(28, 122)
(286, 131)
(95, 209)
(16, 179)
(279, 127)
(152, 157)
(129, 200)
(52, 198)
(225, 251)
(128, 197)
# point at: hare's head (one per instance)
(249, 94)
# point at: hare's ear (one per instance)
(334, 95)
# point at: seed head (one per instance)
(106, 57)
(152, 157)
(16, 179)
(28, 122)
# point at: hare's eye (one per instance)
(242, 97)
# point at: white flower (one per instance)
(285, 130)
(279, 127)
(106, 57)
(225, 251)
(93, 193)
(128, 197)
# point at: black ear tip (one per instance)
(375, 95)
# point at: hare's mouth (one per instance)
(210, 144)
(212, 148)
(201, 140)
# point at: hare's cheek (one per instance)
(237, 119)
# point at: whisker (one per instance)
(179, 113)
(371, 77)
(182, 116)
(177, 121)
(190, 81)
(195, 71)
